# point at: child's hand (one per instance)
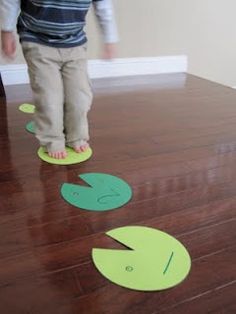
(8, 44)
(109, 51)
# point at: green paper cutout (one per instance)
(27, 108)
(156, 261)
(30, 127)
(106, 192)
(72, 158)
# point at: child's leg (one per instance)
(44, 66)
(78, 98)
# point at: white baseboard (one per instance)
(17, 73)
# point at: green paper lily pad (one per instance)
(105, 192)
(155, 261)
(27, 108)
(72, 158)
(30, 127)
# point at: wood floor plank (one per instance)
(172, 138)
(45, 217)
(220, 300)
(203, 241)
(37, 292)
(114, 299)
(52, 228)
(100, 296)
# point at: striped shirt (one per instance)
(57, 23)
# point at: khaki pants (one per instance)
(62, 93)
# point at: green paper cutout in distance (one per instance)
(105, 192)
(72, 158)
(27, 108)
(155, 261)
(30, 127)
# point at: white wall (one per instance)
(202, 29)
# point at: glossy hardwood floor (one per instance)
(173, 139)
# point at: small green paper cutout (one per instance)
(155, 261)
(72, 158)
(27, 108)
(106, 192)
(30, 127)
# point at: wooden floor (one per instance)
(173, 139)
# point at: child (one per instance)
(54, 45)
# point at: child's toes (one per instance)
(81, 148)
(63, 155)
(58, 155)
(84, 147)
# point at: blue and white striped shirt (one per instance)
(57, 23)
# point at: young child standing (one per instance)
(53, 40)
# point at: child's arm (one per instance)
(9, 10)
(105, 14)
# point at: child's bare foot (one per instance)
(58, 155)
(81, 148)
